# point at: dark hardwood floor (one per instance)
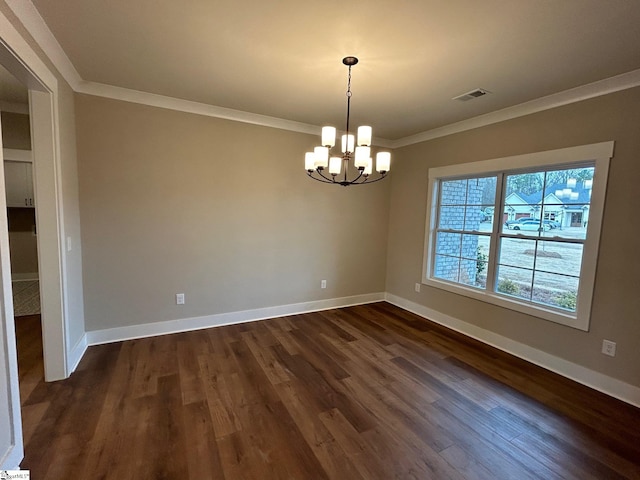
(367, 392)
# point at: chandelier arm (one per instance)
(358, 177)
(376, 180)
(319, 179)
(330, 180)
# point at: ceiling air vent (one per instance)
(478, 92)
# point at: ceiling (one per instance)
(282, 58)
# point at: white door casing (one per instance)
(17, 56)
(10, 420)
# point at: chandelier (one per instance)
(317, 162)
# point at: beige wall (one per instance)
(16, 132)
(616, 305)
(71, 218)
(219, 210)
(22, 242)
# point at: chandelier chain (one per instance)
(348, 98)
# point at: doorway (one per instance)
(576, 219)
(22, 230)
(18, 58)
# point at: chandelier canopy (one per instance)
(317, 162)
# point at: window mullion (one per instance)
(492, 262)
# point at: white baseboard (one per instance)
(24, 277)
(598, 381)
(76, 354)
(97, 337)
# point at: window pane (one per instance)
(523, 203)
(473, 266)
(567, 201)
(487, 213)
(552, 215)
(517, 252)
(473, 218)
(448, 243)
(471, 273)
(446, 268)
(482, 256)
(481, 191)
(469, 246)
(515, 282)
(483, 244)
(453, 192)
(559, 257)
(462, 258)
(558, 291)
(525, 188)
(452, 218)
(574, 221)
(529, 226)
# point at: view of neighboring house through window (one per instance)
(519, 238)
(540, 258)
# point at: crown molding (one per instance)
(573, 95)
(171, 103)
(205, 109)
(27, 13)
(36, 26)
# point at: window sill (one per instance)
(576, 321)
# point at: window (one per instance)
(521, 232)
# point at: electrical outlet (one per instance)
(179, 298)
(609, 348)
(417, 287)
(323, 284)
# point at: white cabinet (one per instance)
(18, 179)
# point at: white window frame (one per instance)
(599, 153)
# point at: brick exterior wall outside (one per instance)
(460, 209)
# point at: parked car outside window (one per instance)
(518, 220)
(552, 223)
(530, 225)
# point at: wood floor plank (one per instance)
(189, 372)
(164, 452)
(331, 456)
(203, 456)
(555, 428)
(32, 416)
(366, 392)
(324, 390)
(218, 399)
(284, 337)
(395, 415)
(575, 465)
(270, 365)
(355, 447)
(471, 468)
